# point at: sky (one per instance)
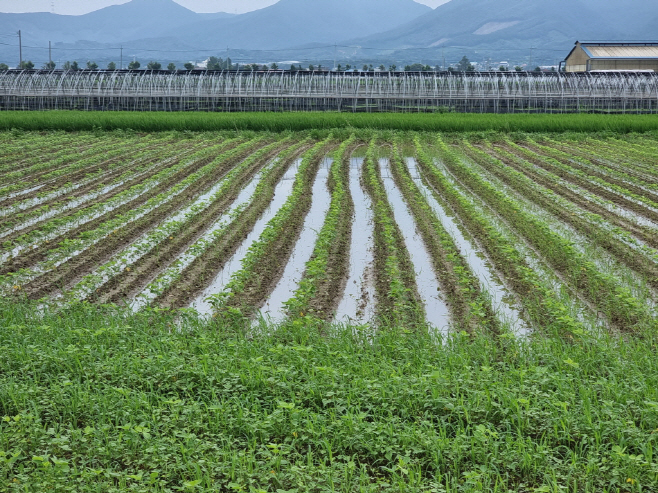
(77, 7)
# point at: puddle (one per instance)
(358, 303)
(578, 308)
(92, 195)
(273, 309)
(281, 193)
(437, 313)
(165, 279)
(508, 314)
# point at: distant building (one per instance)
(623, 57)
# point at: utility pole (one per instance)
(20, 49)
(121, 65)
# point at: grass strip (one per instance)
(104, 400)
(616, 302)
(282, 122)
(398, 303)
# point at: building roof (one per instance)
(619, 51)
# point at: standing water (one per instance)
(281, 193)
(436, 311)
(358, 303)
(274, 307)
(508, 314)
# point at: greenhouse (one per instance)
(495, 92)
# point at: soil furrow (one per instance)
(598, 289)
(589, 186)
(71, 159)
(163, 163)
(397, 297)
(591, 172)
(198, 275)
(103, 251)
(39, 152)
(32, 257)
(135, 202)
(624, 253)
(606, 153)
(634, 172)
(130, 283)
(94, 182)
(330, 288)
(460, 286)
(642, 233)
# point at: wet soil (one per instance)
(203, 271)
(274, 308)
(357, 305)
(31, 257)
(128, 284)
(102, 251)
(627, 255)
(277, 198)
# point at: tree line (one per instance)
(217, 63)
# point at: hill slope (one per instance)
(512, 26)
(287, 23)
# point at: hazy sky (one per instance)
(75, 7)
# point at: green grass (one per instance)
(278, 122)
(98, 400)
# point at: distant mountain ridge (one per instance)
(509, 26)
(400, 31)
(286, 24)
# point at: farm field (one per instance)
(456, 232)
(336, 310)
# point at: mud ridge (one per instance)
(200, 273)
(102, 251)
(130, 283)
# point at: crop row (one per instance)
(219, 221)
(600, 289)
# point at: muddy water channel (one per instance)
(358, 303)
(501, 300)
(437, 313)
(274, 308)
(281, 194)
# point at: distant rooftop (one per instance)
(621, 49)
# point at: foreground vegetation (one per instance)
(501, 290)
(99, 400)
(279, 122)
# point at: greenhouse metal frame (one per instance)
(494, 92)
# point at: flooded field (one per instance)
(420, 231)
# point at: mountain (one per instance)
(510, 28)
(291, 23)
(108, 25)
(141, 24)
